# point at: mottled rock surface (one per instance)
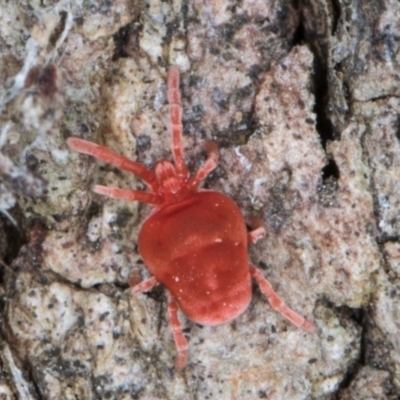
(302, 100)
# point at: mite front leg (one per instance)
(175, 116)
(176, 327)
(128, 194)
(105, 154)
(277, 303)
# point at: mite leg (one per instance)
(277, 303)
(143, 286)
(208, 166)
(258, 230)
(128, 194)
(176, 327)
(175, 116)
(104, 154)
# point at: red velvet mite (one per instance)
(194, 241)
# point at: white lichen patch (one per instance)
(386, 312)
(97, 264)
(369, 383)
(331, 245)
(103, 19)
(89, 330)
(383, 150)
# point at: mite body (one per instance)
(204, 263)
(194, 242)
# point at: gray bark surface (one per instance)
(302, 99)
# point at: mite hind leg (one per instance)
(179, 338)
(176, 327)
(258, 230)
(143, 286)
(277, 303)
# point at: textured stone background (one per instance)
(302, 98)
